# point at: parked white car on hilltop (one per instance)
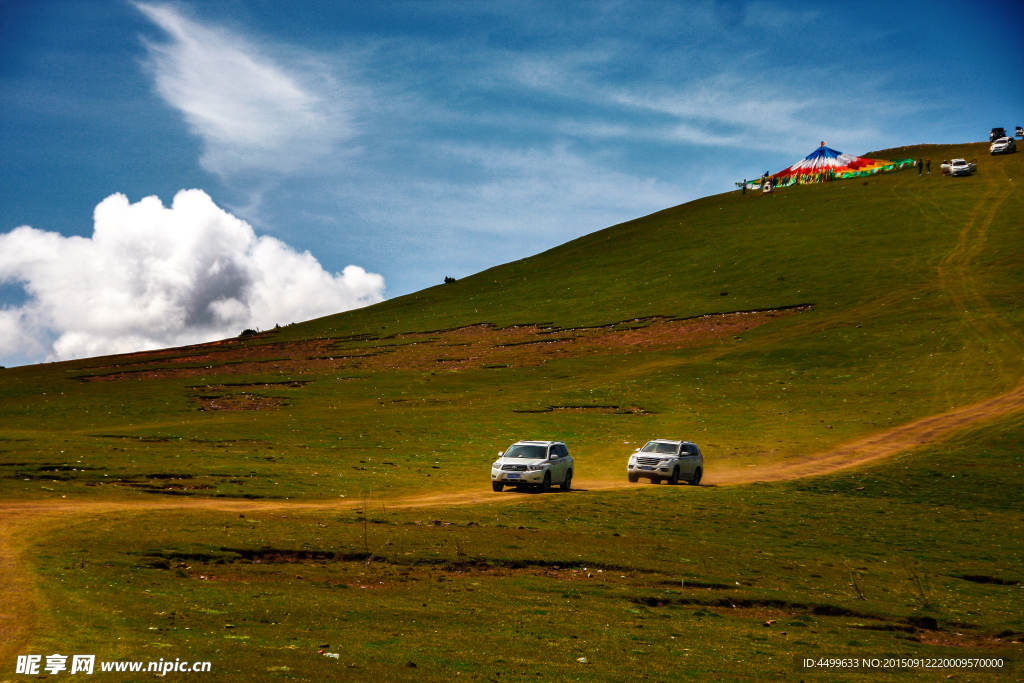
(673, 461)
(1005, 145)
(533, 465)
(959, 167)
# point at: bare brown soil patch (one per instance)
(238, 402)
(256, 385)
(235, 397)
(477, 346)
(603, 410)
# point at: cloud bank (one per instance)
(152, 277)
(251, 111)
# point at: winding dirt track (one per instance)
(884, 445)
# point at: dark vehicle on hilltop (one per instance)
(996, 134)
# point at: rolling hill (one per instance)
(873, 322)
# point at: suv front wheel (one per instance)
(496, 487)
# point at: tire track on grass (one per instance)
(959, 275)
(885, 444)
(18, 597)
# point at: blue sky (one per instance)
(415, 140)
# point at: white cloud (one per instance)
(741, 100)
(559, 187)
(518, 203)
(252, 112)
(15, 343)
(151, 277)
(780, 116)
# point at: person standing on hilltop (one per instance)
(928, 166)
(920, 166)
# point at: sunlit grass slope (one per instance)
(650, 583)
(916, 286)
(839, 245)
(916, 283)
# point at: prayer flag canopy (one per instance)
(825, 164)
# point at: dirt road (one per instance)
(883, 445)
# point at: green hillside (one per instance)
(916, 290)
(837, 244)
(239, 500)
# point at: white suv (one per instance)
(673, 461)
(959, 167)
(533, 464)
(1004, 145)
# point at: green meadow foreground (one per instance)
(848, 355)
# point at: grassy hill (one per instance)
(838, 244)
(769, 329)
(914, 282)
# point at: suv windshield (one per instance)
(655, 447)
(529, 452)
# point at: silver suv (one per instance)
(533, 465)
(673, 461)
(1005, 145)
